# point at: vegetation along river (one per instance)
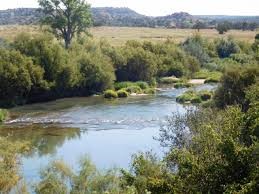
(108, 131)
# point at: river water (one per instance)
(108, 131)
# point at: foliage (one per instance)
(66, 17)
(183, 85)
(149, 91)
(19, 75)
(194, 97)
(223, 27)
(195, 47)
(233, 85)
(3, 115)
(122, 94)
(110, 94)
(10, 164)
(227, 47)
(134, 89)
(97, 73)
(60, 178)
(169, 80)
(140, 65)
(148, 174)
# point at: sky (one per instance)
(164, 7)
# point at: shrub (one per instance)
(196, 100)
(227, 47)
(182, 85)
(186, 97)
(110, 94)
(134, 89)
(122, 94)
(203, 74)
(194, 97)
(212, 80)
(140, 65)
(3, 115)
(205, 95)
(122, 85)
(257, 37)
(149, 91)
(169, 80)
(194, 46)
(96, 71)
(142, 85)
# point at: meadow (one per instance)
(117, 36)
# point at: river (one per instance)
(108, 131)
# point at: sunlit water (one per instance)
(108, 131)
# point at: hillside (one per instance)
(110, 16)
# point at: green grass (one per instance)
(169, 80)
(194, 97)
(209, 76)
(3, 115)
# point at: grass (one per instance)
(119, 35)
(194, 97)
(209, 76)
(3, 115)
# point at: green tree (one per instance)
(233, 86)
(66, 17)
(19, 75)
(223, 27)
(199, 25)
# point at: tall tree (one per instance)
(66, 17)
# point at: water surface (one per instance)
(108, 131)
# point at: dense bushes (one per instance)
(37, 68)
(233, 86)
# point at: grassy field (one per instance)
(119, 35)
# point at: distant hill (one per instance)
(19, 16)
(110, 16)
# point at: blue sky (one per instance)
(164, 7)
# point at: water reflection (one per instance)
(43, 140)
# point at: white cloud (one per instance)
(163, 7)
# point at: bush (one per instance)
(134, 89)
(205, 95)
(196, 100)
(140, 65)
(194, 97)
(227, 47)
(122, 94)
(182, 85)
(194, 46)
(149, 91)
(3, 115)
(123, 85)
(142, 85)
(18, 76)
(110, 94)
(186, 97)
(169, 80)
(212, 80)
